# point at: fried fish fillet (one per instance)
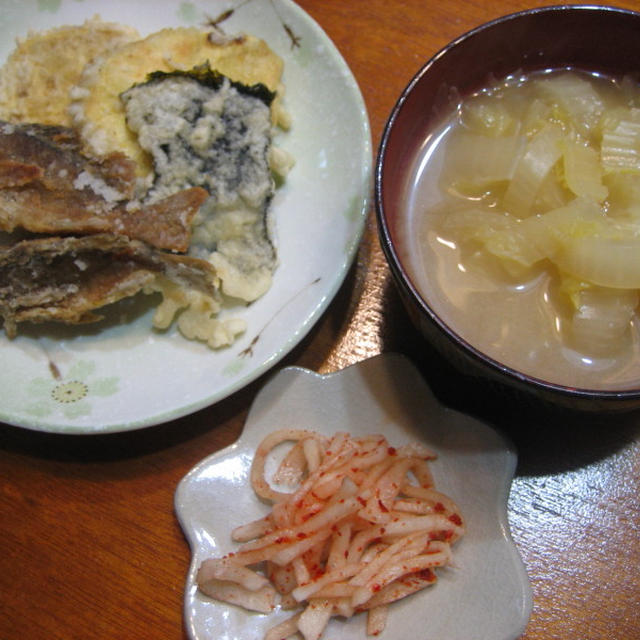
(48, 186)
(36, 80)
(98, 111)
(68, 279)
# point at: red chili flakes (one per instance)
(426, 574)
(392, 451)
(301, 535)
(437, 535)
(383, 508)
(456, 519)
(362, 501)
(282, 539)
(376, 588)
(438, 507)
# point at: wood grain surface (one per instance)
(90, 547)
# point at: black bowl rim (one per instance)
(395, 263)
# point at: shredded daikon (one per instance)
(362, 527)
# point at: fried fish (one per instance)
(47, 185)
(67, 279)
(204, 130)
(99, 113)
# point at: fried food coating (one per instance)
(37, 79)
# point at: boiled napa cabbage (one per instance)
(562, 167)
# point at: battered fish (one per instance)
(48, 186)
(37, 78)
(68, 279)
(98, 112)
(202, 129)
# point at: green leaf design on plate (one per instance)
(104, 386)
(77, 410)
(81, 369)
(352, 212)
(188, 13)
(234, 367)
(38, 409)
(71, 394)
(49, 5)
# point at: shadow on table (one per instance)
(121, 445)
(548, 440)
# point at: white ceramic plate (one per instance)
(486, 597)
(121, 375)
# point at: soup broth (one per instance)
(523, 221)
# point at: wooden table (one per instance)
(90, 547)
